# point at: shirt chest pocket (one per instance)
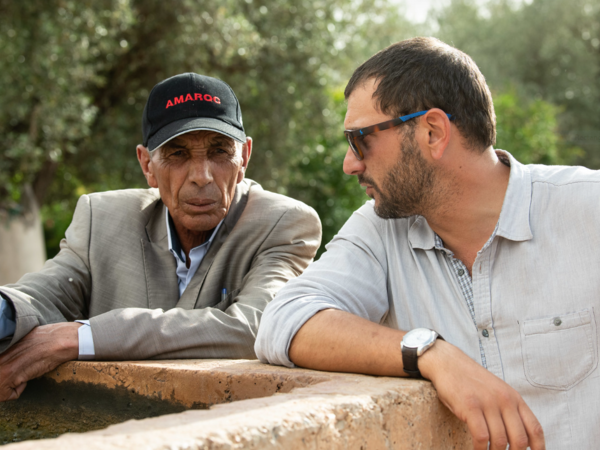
(559, 351)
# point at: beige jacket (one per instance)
(115, 268)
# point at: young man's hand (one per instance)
(493, 411)
(42, 350)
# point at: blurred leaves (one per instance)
(76, 75)
(547, 49)
(528, 130)
(52, 52)
(316, 175)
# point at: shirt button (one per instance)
(485, 333)
(461, 272)
(557, 321)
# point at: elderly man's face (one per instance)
(196, 174)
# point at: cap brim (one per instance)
(179, 127)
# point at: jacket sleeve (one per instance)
(213, 332)
(60, 291)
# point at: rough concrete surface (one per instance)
(273, 408)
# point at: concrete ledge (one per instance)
(273, 408)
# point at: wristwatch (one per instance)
(414, 344)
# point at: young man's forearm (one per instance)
(338, 341)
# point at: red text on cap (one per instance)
(197, 96)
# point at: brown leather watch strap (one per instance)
(410, 361)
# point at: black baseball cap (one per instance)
(190, 102)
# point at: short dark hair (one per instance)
(424, 73)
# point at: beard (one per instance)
(408, 188)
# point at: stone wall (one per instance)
(257, 406)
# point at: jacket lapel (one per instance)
(159, 264)
(190, 298)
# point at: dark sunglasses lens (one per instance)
(354, 146)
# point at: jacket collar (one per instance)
(513, 223)
(159, 263)
(190, 298)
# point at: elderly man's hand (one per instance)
(493, 411)
(43, 349)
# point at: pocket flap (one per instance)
(559, 351)
(557, 323)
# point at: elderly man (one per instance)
(460, 239)
(181, 270)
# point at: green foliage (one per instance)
(547, 49)
(56, 219)
(76, 75)
(51, 52)
(528, 129)
(317, 177)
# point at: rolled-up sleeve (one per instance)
(350, 276)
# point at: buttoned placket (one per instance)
(477, 294)
(482, 301)
(466, 287)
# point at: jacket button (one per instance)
(557, 321)
(485, 333)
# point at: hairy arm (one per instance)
(330, 319)
(40, 351)
(338, 341)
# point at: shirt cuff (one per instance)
(280, 322)
(86, 341)
(7, 319)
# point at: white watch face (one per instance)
(419, 337)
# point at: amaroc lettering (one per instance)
(196, 97)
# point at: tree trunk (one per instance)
(22, 248)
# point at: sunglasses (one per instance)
(355, 137)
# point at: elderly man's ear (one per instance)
(144, 158)
(246, 153)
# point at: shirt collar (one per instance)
(175, 244)
(420, 235)
(514, 216)
(513, 223)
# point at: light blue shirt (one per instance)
(7, 319)
(184, 276)
(197, 254)
(532, 310)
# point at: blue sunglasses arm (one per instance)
(417, 114)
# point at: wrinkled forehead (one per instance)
(202, 137)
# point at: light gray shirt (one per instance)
(535, 291)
